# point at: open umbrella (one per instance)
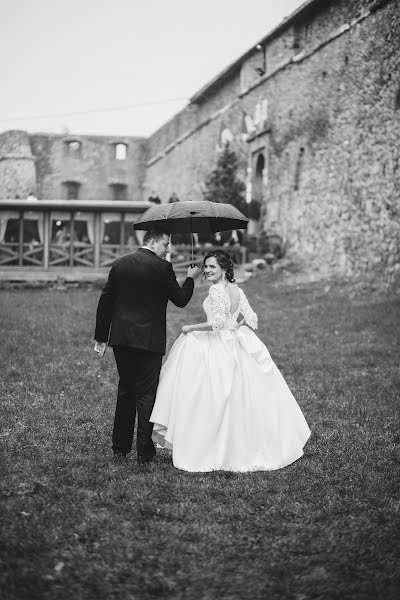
(192, 217)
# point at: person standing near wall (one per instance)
(154, 198)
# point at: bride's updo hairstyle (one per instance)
(224, 261)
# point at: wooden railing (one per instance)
(78, 254)
(82, 255)
(47, 257)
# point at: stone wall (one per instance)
(329, 137)
(94, 167)
(17, 165)
(42, 164)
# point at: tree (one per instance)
(223, 184)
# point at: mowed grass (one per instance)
(76, 525)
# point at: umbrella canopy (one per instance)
(192, 217)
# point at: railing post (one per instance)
(46, 239)
(21, 238)
(71, 240)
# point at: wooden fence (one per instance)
(75, 240)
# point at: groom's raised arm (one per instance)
(104, 310)
(180, 295)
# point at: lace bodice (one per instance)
(217, 308)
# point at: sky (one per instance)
(126, 66)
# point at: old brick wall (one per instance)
(330, 140)
(17, 166)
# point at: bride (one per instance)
(222, 403)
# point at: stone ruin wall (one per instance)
(332, 145)
(95, 169)
(39, 163)
(17, 165)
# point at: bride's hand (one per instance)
(186, 329)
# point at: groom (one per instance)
(131, 317)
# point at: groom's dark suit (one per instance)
(131, 316)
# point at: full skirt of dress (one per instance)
(222, 404)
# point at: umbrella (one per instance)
(192, 217)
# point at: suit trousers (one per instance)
(139, 372)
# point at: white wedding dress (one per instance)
(222, 403)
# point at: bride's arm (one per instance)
(249, 316)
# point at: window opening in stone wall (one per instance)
(346, 60)
(296, 37)
(257, 191)
(301, 35)
(397, 100)
(298, 169)
(72, 190)
(261, 115)
(307, 31)
(119, 191)
(324, 74)
(73, 148)
(121, 151)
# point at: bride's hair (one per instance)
(224, 261)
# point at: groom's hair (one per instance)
(154, 234)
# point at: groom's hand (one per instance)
(193, 272)
(100, 347)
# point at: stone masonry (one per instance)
(17, 165)
(57, 166)
(319, 99)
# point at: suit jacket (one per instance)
(132, 306)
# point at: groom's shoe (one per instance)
(119, 454)
(142, 460)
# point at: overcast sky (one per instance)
(64, 56)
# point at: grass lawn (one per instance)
(75, 525)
